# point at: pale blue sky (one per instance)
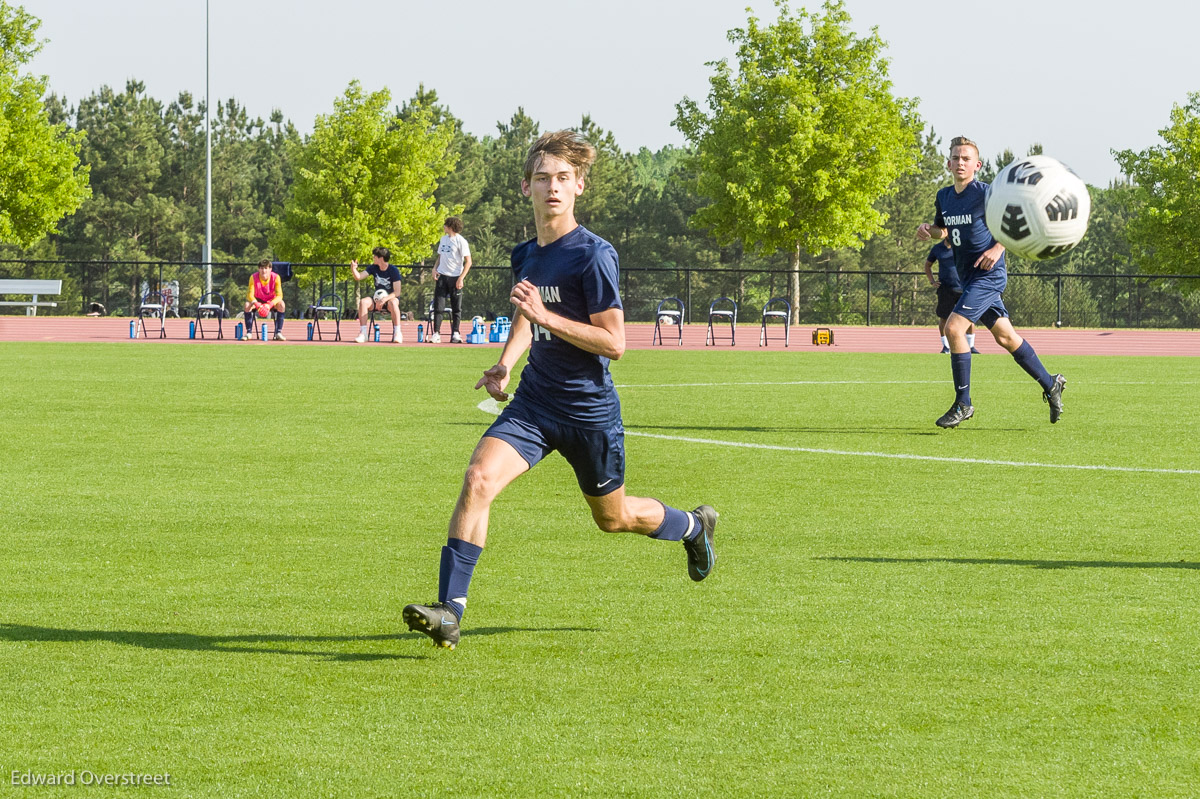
(1061, 72)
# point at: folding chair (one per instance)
(153, 307)
(669, 310)
(328, 304)
(429, 331)
(776, 308)
(721, 310)
(211, 306)
(373, 324)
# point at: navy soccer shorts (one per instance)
(597, 456)
(946, 298)
(981, 302)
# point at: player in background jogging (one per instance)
(958, 214)
(949, 289)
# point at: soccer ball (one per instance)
(1037, 207)
(380, 295)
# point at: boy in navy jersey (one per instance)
(949, 289)
(958, 213)
(569, 315)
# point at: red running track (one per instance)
(846, 339)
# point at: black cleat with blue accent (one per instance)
(1054, 397)
(700, 553)
(957, 414)
(437, 621)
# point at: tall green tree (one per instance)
(1165, 232)
(502, 199)
(128, 149)
(463, 186)
(365, 177)
(41, 179)
(799, 144)
(606, 205)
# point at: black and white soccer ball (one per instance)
(380, 295)
(1038, 208)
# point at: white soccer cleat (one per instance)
(397, 337)
(361, 338)
(436, 338)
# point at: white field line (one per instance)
(787, 383)
(492, 407)
(907, 457)
(889, 383)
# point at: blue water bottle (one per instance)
(376, 334)
(262, 329)
(133, 328)
(239, 332)
(191, 329)
(310, 331)
(420, 333)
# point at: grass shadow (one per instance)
(1035, 564)
(253, 644)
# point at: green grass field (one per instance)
(206, 550)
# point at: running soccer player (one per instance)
(570, 317)
(958, 213)
(949, 289)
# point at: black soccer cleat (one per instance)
(700, 553)
(1054, 397)
(957, 414)
(437, 621)
(975, 351)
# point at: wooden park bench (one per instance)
(34, 288)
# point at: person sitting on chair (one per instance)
(264, 296)
(387, 279)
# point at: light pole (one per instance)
(207, 165)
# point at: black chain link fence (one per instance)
(846, 298)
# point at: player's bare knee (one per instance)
(611, 519)
(1009, 341)
(479, 483)
(610, 524)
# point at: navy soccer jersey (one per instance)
(947, 271)
(385, 279)
(576, 276)
(962, 217)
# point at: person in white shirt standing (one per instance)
(450, 269)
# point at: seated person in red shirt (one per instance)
(264, 296)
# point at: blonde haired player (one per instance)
(958, 213)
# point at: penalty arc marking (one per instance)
(492, 407)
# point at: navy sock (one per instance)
(458, 563)
(676, 524)
(1030, 362)
(279, 321)
(249, 320)
(960, 365)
